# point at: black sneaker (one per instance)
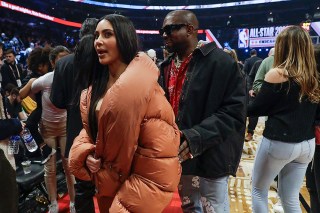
(46, 153)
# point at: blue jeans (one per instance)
(200, 194)
(290, 161)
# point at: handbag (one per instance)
(28, 105)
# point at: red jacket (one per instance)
(137, 142)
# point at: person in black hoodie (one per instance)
(68, 82)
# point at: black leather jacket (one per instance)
(212, 112)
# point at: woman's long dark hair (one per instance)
(83, 62)
(83, 58)
(127, 43)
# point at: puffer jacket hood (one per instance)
(137, 142)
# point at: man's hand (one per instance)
(184, 152)
(251, 93)
(93, 164)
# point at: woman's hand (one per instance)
(93, 164)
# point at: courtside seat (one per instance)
(28, 182)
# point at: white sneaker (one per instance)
(54, 208)
(72, 208)
(277, 208)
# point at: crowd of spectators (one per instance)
(22, 37)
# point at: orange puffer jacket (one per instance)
(137, 142)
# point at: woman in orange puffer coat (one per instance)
(129, 143)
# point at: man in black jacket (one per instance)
(65, 95)
(252, 120)
(207, 93)
(11, 72)
(248, 65)
(249, 62)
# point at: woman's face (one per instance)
(43, 68)
(105, 43)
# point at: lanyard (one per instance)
(16, 70)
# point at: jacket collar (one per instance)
(204, 50)
(207, 48)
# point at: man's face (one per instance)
(10, 58)
(174, 33)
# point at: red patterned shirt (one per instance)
(175, 83)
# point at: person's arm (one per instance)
(22, 116)
(259, 78)
(24, 91)
(81, 148)
(246, 67)
(270, 93)
(252, 75)
(9, 127)
(228, 120)
(265, 99)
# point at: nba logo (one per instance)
(243, 41)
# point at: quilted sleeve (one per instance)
(81, 148)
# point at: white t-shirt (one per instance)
(50, 113)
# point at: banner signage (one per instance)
(258, 37)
